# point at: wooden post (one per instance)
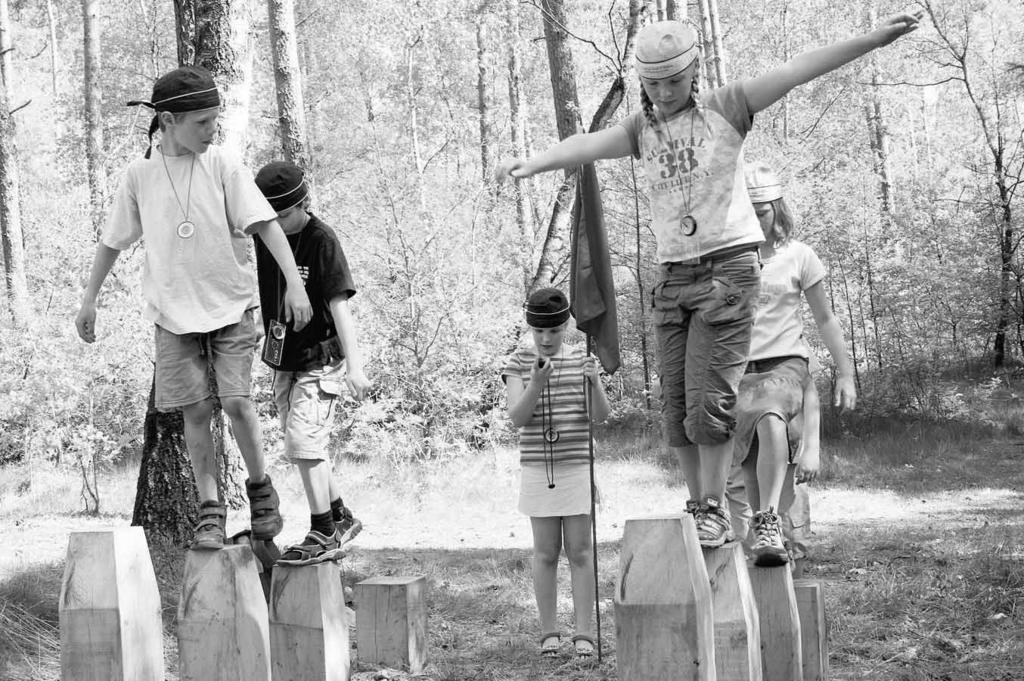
(391, 621)
(780, 623)
(810, 603)
(308, 625)
(110, 626)
(663, 605)
(222, 618)
(737, 628)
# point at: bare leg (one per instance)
(579, 550)
(772, 460)
(316, 479)
(547, 546)
(199, 441)
(689, 460)
(715, 464)
(246, 426)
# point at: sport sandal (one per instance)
(550, 643)
(584, 645)
(209, 532)
(348, 527)
(315, 548)
(265, 519)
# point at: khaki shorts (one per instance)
(182, 372)
(305, 402)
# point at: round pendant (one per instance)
(689, 225)
(186, 229)
(551, 435)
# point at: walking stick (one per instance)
(593, 507)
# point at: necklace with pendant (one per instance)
(687, 223)
(186, 228)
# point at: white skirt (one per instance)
(569, 496)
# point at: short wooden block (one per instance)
(223, 630)
(308, 625)
(110, 625)
(663, 604)
(391, 621)
(737, 628)
(810, 603)
(780, 623)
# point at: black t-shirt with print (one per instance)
(324, 270)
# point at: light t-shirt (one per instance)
(778, 329)
(202, 282)
(694, 166)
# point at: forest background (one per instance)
(903, 168)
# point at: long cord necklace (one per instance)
(186, 228)
(550, 433)
(688, 223)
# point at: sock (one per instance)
(209, 503)
(322, 523)
(337, 510)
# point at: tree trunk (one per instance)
(484, 98)
(563, 70)
(51, 25)
(675, 10)
(94, 115)
(718, 47)
(166, 501)
(287, 78)
(517, 115)
(10, 193)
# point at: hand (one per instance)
(540, 374)
(510, 168)
(897, 26)
(358, 384)
(297, 308)
(85, 322)
(591, 371)
(844, 395)
(807, 467)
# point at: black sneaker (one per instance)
(348, 527)
(768, 548)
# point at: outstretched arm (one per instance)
(766, 89)
(575, 150)
(845, 393)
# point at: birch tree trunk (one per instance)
(51, 26)
(94, 114)
(288, 81)
(485, 97)
(517, 116)
(10, 192)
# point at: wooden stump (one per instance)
(810, 603)
(110, 626)
(223, 630)
(663, 604)
(737, 628)
(308, 625)
(780, 623)
(391, 622)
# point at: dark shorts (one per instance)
(702, 316)
(182, 376)
(771, 387)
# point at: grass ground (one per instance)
(919, 538)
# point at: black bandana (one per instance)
(188, 88)
(283, 184)
(547, 308)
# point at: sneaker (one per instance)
(315, 548)
(265, 519)
(768, 549)
(714, 526)
(209, 533)
(348, 527)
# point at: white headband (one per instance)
(668, 67)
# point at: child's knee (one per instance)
(546, 554)
(579, 553)
(198, 413)
(236, 407)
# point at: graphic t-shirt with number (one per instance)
(694, 167)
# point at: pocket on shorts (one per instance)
(665, 304)
(327, 396)
(735, 287)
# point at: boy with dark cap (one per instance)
(195, 207)
(311, 363)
